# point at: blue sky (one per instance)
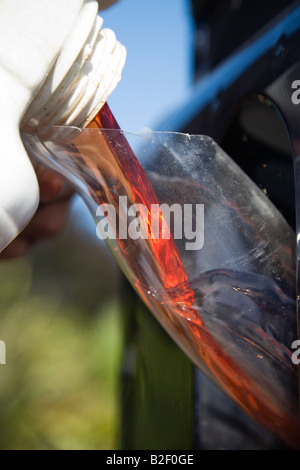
(158, 71)
(157, 75)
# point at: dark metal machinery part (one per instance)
(248, 51)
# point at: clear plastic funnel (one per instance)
(205, 249)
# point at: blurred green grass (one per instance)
(59, 317)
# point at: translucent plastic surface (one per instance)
(227, 300)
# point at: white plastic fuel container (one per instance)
(57, 67)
